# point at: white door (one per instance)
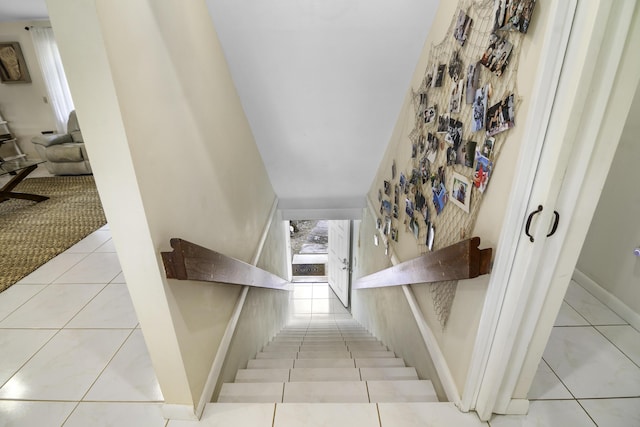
(530, 278)
(339, 256)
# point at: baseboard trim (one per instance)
(437, 356)
(517, 407)
(430, 341)
(172, 411)
(607, 298)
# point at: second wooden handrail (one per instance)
(463, 260)
(189, 261)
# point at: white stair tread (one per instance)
(251, 392)
(374, 341)
(324, 363)
(367, 347)
(263, 375)
(375, 362)
(324, 355)
(323, 338)
(280, 347)
(285, 342)
(233, 414)
(277, 355)
(270, 363)
(366, 353)
(426, 414)
(332, 347)
(326, 392)
(327, 414)
(324, 374)
(401, 391)
(388, 373)
(322, 343)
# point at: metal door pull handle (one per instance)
(531, 215)
(556, 221)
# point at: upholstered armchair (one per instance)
(64, 153)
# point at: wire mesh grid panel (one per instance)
(466, 100)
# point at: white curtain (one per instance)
(53, 73)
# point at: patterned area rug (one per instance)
(33, 233)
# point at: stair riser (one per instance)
(326, 362)
(329, 391)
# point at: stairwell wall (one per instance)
(173, 156)
(265, 311)
(457, 339)
(385, 311)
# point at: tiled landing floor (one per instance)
(590, 372)
(72, 354)
(71, 350)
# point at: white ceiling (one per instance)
(321, 81)
(22, 10)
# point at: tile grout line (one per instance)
(133, 402)
(70, 413)
(574, 309)
(614, 344)
(587, 412)
(86, 254)
(107, 364)
(45, 286)
(86, 304)
(28, 360)
(600, 302)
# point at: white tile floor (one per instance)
(590, 371)
(72, 355)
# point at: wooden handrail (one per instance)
(462, 260)
(189, 261)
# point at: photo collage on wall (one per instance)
(460, 123)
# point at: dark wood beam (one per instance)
(463, 260)
(189, 261)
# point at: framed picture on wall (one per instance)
(13, 68)
(461, 191)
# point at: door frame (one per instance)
(529, 279)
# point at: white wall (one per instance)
(264, 314)
(22, 104)
(265, 311)
(274, 252)
(607, 255)
(173, 156)
(458, 338)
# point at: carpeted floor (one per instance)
(33, 233)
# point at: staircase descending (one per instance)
(326, 361)
(325, 369)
